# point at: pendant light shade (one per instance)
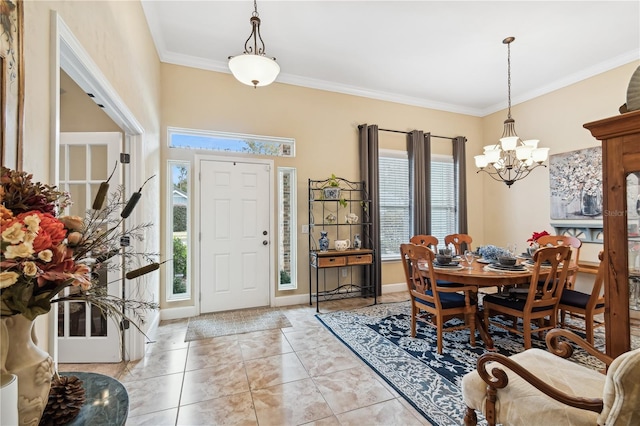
(254, 70)
(252, 67)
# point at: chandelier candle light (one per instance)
(252, 67)
(511, 159)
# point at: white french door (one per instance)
(86, 160)
(235, 217)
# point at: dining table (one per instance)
(480, 276)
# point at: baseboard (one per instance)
(295, 299)
(177, 313)
(393, 288)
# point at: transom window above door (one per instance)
(230, 142)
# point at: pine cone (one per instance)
(66, 397)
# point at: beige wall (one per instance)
(556, 119)
(78, 113)
(324, 125)
(116, 37)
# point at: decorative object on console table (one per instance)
(42, 255)
(328, 267)
(324, 241)
(357, 243)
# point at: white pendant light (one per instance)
(252, 67)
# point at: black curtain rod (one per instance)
(406, 133)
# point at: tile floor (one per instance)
(300, 375)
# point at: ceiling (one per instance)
(446, 55)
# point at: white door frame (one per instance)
(68, 54)
(197, 231)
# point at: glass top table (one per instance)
(107, 400)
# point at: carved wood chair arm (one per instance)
(497, 379)
(564, 349)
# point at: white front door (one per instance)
(235, 255)
(86, 160)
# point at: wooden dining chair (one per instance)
(443, 303)
(565, 240)
(585, 305)
(458, 240)
(540, 303)
(425, 240)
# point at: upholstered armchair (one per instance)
(544, 388)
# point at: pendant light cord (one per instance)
(509, 78)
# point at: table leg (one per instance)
(483, 329)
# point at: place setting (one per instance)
(506, 264)
(446, 261)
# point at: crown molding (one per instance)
(584, 74)
(217, 66)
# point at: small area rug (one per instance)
(235, 322)
(380, 336)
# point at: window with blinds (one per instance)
(443, 198)
(395, 204)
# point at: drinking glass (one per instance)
(468, 255)
(512, 249)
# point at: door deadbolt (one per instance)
(264, 232)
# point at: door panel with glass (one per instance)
(87, 160)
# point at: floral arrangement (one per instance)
(534, 237)
(490, 252)
(43, 253)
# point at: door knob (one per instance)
(265, 242)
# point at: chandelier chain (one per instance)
(509, 78)
(255, 9)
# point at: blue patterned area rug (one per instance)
(380, 336)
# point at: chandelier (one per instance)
(511, 159)
(252, 67)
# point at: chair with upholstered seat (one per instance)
(461, 242)
(443, 303)
(425, 240)
(540, 303)
(585, 305)
(564, 240)
(536, 387)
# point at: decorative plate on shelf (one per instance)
(633, 91)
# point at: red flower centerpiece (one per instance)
(534, 238)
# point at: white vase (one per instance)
(9, 400)
(32, 366)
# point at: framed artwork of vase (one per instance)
(575, 180)
(11, 83)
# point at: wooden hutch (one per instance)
(620, 136)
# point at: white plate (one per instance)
(483, 260)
